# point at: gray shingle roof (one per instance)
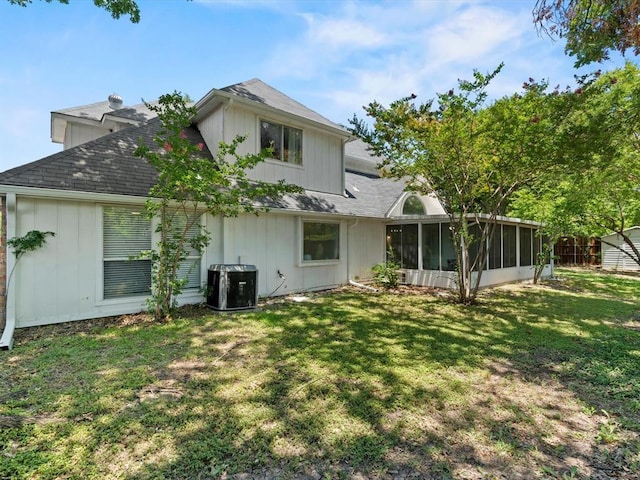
(108, 165)
(258, 91)
(104, 165)
(96, 111)
(365, 196)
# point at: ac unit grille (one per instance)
(232, 287)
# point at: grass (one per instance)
(535, 382)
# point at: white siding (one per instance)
(613, 258)
(322, 168)
(271, 242)
(366, 248)
(211, 129)
(77, 133)
(63, 280)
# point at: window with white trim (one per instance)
(285, 141)
(126, 232)
(320, 241)
(413, 206)
(190, 267)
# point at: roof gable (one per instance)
(256, 92)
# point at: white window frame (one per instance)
(310, 263)
(282, 126)
(155, 237)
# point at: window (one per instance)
(413, 206)
(526, 243)
(320, 241)
(402, 245)
(286, 142)
(126, 232)
(190, 267)
(509, 246)
(449, 258)
(431, 246)
(495, 248)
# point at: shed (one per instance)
(617, 254)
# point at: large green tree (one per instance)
(592, 28)
(471, 155)
(116, 8)
(601, 194)
(190, 183)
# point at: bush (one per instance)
(386, 274)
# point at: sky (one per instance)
(332, 56)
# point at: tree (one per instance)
(116, 8)
(592, 28)
(601, 194)
(471, 156)
(190, 183)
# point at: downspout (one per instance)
(6, 341)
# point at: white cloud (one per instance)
(345, 33)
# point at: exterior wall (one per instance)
(272, 242)
(63, 280)
(366, 247)
(614, 259)
(77, 133)
(322, 153)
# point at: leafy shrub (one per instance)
(386, 274)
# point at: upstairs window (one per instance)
(286, 142)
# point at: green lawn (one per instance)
(535, 382)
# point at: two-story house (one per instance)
(92, 193)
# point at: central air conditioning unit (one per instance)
(232, 287)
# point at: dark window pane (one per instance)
(321, 241)
(394, 243)
(495, 248)
(271, 137)
(475, 233)
(448, 250)
(509, 246)
(525, 246)
(127, 278)
(292, 146)
(410, 246)
(413, 206)
(431, 246)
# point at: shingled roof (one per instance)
(108, 165)
(104, 165)
(255, 90)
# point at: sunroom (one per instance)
(421, 243)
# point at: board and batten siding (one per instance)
(62, 281)
(322, 152)
(613, 258)
(58, 282)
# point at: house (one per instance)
(617, 254)
(344, 223)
